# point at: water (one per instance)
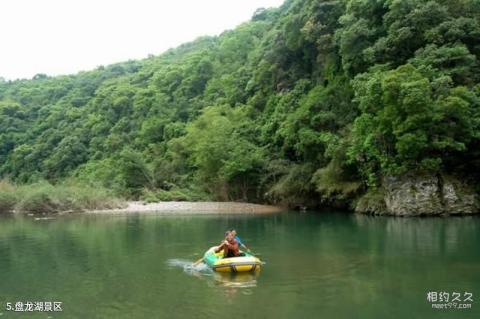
(317, 266)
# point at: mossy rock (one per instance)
(373, 202)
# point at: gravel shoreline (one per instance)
(193, 208)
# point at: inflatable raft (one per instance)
(244, 263)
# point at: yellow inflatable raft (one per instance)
(245, 263)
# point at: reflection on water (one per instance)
(317, 265)
(237, 280)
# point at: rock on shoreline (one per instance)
(424, 196)
(194, 207)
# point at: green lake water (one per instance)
(317, 265)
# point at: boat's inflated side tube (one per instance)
(244, 263)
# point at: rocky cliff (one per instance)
(421, 196)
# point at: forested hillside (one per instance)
(313, 103)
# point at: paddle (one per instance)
(201, 259)
(253, 254)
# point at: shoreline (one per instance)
(192, 208)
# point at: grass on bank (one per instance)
(43, 197)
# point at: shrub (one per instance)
(174, 194)
(43, 197)
(372, 202)
(37, 201)
(7, 202)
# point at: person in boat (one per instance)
(237, 238)
(229, 246)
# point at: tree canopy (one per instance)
(315, 101)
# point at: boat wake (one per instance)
(188, 267)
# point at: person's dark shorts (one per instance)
(230, 254)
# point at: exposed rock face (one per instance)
(413, 196)
(459, 198)
(427, 196)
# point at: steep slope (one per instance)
(316, 102)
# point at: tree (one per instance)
(407, 125)
(224, 157)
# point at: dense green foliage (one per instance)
(312, 102)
